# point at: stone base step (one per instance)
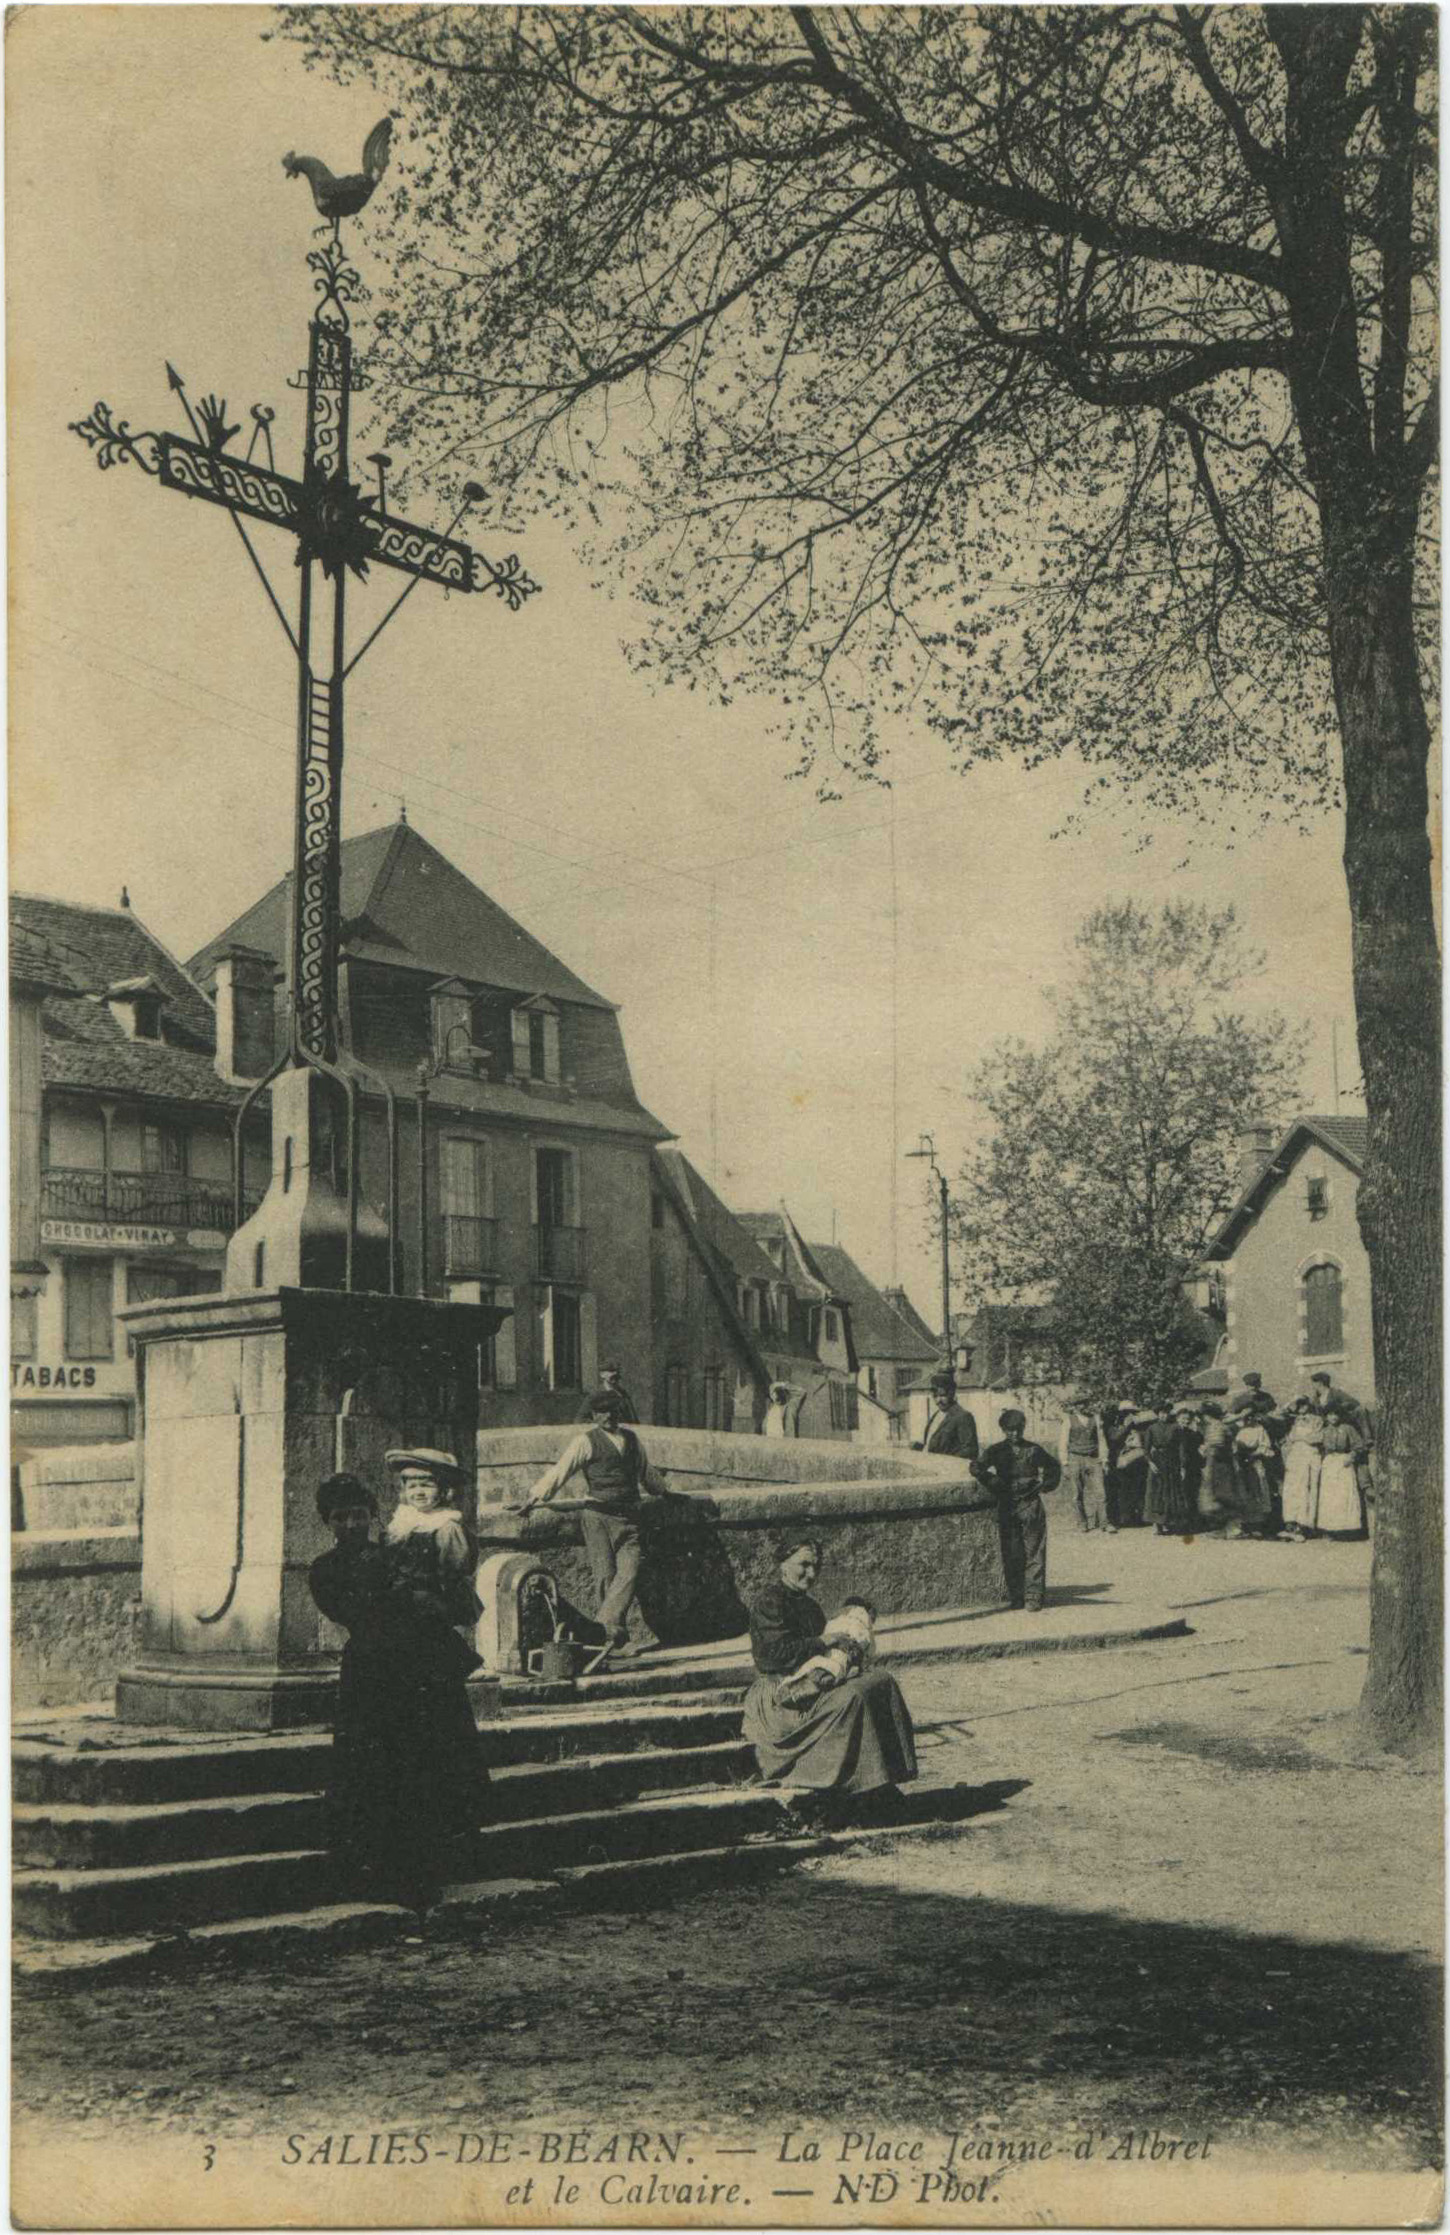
(181, 1894)
(85, 1836)
(164, 1898)
(723, 1673)
(468, 1909)
(340, 1925)
(99, 1763)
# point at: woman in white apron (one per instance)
(1303, 1451)
(1341, 1508)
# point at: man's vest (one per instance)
(613, 1476)
(1082, 1435)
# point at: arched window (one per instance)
(1323, 1311)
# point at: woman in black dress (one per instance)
(1178, 1464)
(852, 1739)
(406, 1780)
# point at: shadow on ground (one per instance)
(816, 2001)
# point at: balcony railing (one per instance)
(470, 1246)
(140, 1199)
(563, 1254)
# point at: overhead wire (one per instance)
(595, 886)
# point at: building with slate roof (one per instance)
(121, 1156)
(892, 1353)
(1287, 1265)
(901, 1303)
(712, 1304)
(820, 1322)
(537, 1172)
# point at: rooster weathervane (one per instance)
(340, 529)
(337, 198)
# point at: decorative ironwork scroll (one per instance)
(343, 531)
(314, 936)
(243, 487)
(113, 442)
(506, 579)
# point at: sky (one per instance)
(798, 1007)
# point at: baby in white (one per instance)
(848, 1644)
(431, 1546)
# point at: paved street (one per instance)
(1191, 1899)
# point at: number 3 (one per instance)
(210, 2149)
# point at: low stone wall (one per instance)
(73, 1601)
(78, 1488)
(909, 1533)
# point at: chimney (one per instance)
(245, 1014)
(1255, 1146)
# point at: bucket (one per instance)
(557, 1662)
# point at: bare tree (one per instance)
(1067, 373)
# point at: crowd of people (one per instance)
(1246, 1467)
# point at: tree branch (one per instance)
(1025, 205)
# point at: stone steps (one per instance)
(63, 1835)
(472, 1908)
(166, 1897)
(132, 1843)
(56, 1767)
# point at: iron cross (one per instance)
(342, 530)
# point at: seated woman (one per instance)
(853, 1738)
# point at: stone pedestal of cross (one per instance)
(310, 1361)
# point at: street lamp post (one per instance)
(927, 1148)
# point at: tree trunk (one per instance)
(1369, 491)
(1397, 1002)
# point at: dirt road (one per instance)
(1191, 1900)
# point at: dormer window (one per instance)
(455, 1047)
(136, 1005)
(536, 1041)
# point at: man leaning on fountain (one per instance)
(950, 1431)
(612, 1460)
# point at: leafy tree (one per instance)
(1065, 374)
(1111, 1153)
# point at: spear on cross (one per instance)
(344, 531)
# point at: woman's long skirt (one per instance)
(1172, 1502)
(853, 1739)
(1301, 1486)
(1132, 1487)
(1341, 1510)
(406, 1778)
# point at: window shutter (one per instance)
(520, 1023)
(1323, 1311)
(76, 1140)
(89, 1332)
(505, 1345)
(544, 1335)
(452, 1022)
(588, 1341)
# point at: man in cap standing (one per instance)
(1252, 1396)
(612, 1460)
(1017, 1473)
(950, 1431)
(609, 1378)
(1083, 1451)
